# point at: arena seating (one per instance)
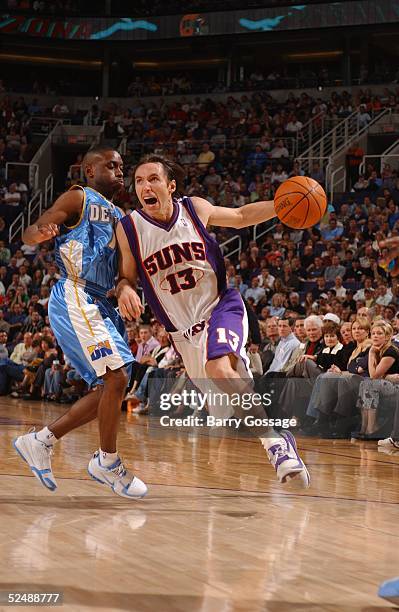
(234, 152)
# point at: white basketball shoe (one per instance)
(121, 480)
(388, 443)
(284, 457)
(37, 455)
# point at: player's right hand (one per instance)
(49, 230)
(130, 306)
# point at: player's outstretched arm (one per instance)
(247, 215)
(130, 306)
(66, 209)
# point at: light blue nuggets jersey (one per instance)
(86, 252)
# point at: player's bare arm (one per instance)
(130, 306)
(66, 209)
(247, 215)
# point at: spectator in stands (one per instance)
(53, 378)
(205, 158)
(383, 367)
(33, 323)
(147, 342)
(52, 275)
(112, 132)
(288, 343)
(256, 161)
(299, 330)
(336, 269)
(255, 292)
(294, 304)
(293, 126)
(11, 202)
(334, 395)
(322, 351)
(333, 231)
(271, 342)
(16, 320)
(5, 253)
(279, 150)
(364, 117)
(339, 289)
(354, 157)
(3, 345)
(277, 308)
(317, 173)
(384, 295)
(23, 353)
(212, 178)
(60, 109)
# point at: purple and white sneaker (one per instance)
(284, 457)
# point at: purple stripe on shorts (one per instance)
(149, 292)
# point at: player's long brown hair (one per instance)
(173, 171)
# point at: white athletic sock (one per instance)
(46, 436)
(107, 459)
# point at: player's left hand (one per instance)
(130, 306)
(48, 230)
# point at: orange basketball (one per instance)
(300, 202)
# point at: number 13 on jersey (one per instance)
(227, 336)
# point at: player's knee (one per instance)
(117, 379)
(218, 368)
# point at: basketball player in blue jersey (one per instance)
(183, 276)
(87, 327)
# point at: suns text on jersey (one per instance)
(174, 254)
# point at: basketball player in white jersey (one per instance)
(183, 276)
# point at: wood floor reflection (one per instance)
(216, 533)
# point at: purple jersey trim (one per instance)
(149, 292)
(167, 226)
(212, 250)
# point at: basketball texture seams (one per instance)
(300, 202)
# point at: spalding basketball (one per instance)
(300, 202)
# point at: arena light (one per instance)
(53, 61)
(313, 55)
(177, 63)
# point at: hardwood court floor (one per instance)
(216, 533)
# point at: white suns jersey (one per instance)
(180, 265)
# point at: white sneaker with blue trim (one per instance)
(284, 457)
(122, 481)
(37, 455)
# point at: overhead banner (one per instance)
(299, 17)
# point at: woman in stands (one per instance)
(309, 365)
(335, 393)
(383, 365)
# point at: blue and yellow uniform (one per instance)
(87, 327)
